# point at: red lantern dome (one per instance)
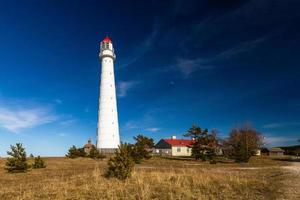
(107, 39)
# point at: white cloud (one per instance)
(278, 140)
(153, 129)
(16, 119)
(130, 125)
(124, 86)
(62, 134)
(189, 66)
(67, 122)
(142, 48)
(280, 125)
(58, 101)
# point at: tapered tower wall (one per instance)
(108, 137)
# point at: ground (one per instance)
(157, 178)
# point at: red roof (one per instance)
(107, 39)
(179, 142)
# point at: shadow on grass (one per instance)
(287, 159)
(184, 158)
(188, 158)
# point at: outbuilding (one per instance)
(88, 147)
(276, 151)
(174, 147)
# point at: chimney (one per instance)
(173, 137)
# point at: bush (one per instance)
(74, 152)
(121, 165)
(18, 162)
(95, 154)
(38, 163)
(141, 149)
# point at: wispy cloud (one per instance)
(62, 134)
(243, 47)
(16, 119)
(153, 129)
(189, 66)
(124, 86)
(67, 122)
(142, 48)
(130, 125)
(271, 140)
(280, 125)
(58, 101)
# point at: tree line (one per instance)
(242, 143)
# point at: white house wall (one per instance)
(184, 151)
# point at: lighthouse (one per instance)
(108, 137)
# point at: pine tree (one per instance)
(121, 165)
(17, 162)
(141, 149)
(95, 154)
(38, 163)
(205, 143)
(74, 152)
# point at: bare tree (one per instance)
(242, 142)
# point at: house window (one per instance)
(178, 149)
(188, 150)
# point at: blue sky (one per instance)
(212, 63)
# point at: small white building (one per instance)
(174, 147)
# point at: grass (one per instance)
(157, 178)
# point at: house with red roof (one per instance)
(174, 147)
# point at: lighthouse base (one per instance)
(107, 151)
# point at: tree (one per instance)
(242, 142)
(205, 143)
(17, 162)
(121, 165)
(74, 152)
(141, 149)
(95, 154)
(38, 163)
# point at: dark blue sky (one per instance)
(212, 63)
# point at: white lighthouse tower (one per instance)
(108, 137)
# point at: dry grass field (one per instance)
(157, 178)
